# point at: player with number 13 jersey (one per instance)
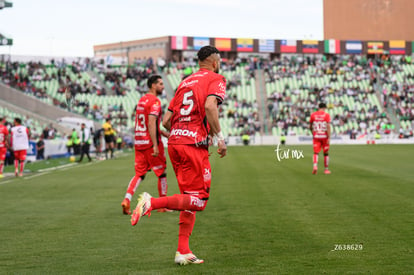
(149, 149)
(148, 105)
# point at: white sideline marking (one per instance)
(63, 167)
(46, 171)
(3, 182)
(35, 175)
(56, 167)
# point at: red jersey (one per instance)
(4, 132)
(148, 105)
(188, 121)
(320, 121)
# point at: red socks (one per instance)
(135, 181)
(187, 220)
(179, 202)
(326, 161)
(162, 186)
(187, 204)
(315, 160)
(21, 166)
(132, 187)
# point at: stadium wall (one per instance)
(178, 47)
(135, 49)
(368, 19)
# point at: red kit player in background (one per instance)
(193, 121)
(321, 131)
(4, 136)
(19, 143)
(149, 149)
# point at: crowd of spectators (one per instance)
(353, 78)
(64, 84)
(348, 85)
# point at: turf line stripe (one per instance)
(56, 167)
(46, 171)
(35, 175)
(7, 181)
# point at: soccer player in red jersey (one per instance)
(321, 131)
(4, 136)
(149, 149)
(193, 121)
(19, 143)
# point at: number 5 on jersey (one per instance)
(187, 101)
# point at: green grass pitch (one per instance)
(264, 216)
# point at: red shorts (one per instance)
(144, 161)
(3, 152)
(20, 155)
(320, 143)
(192, 169)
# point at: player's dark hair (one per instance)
(322, 105)
(206, 51)
(153, 79)
(18, 120)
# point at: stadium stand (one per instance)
(348, 84)
(49, 84)
(293, 86)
